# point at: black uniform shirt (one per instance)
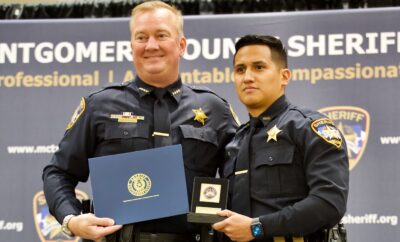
(95, 131)
(298, 177)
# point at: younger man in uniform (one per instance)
(288, 166)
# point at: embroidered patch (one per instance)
(78, 112)
(326, 129)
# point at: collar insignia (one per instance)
(272, 133)
(176, 92)
(144, 90)
(126, 117)
(200, 116)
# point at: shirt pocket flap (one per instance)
(272, 155)
(203, 134)
(125, 131)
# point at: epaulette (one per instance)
(308, 113)
(198, 88)
(116, 85)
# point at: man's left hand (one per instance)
(235, 226)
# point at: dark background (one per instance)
(23, 9)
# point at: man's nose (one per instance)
(248, 76)
(152, 44)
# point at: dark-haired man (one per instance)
(288, 166)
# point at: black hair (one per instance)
(278, 51)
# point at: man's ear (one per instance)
(285, 76)
(182, 46)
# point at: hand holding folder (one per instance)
(139, 186)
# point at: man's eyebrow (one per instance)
(239, 65)
(259, 62)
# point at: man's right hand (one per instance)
(90, 227)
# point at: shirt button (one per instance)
(126, 132)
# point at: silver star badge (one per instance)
(272, 133)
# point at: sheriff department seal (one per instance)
(47, 227)
(354, 123)
(139, 184)
(210, 192)
(327, 130)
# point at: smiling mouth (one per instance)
(245, 89)
(152, 57)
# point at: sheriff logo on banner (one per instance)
(47, 227)
(354, 123)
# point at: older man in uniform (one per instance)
(288, 166)
(154, 110)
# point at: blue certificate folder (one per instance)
(139, 186)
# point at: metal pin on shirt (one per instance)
(160, 134)
(240, 172)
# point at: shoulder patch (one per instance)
(78, 112)
(326, 129)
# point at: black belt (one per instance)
(166, 237)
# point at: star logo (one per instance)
(200, 116)
(272, 133)
(330, 132)
(326, 129)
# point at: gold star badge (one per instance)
(200, 116)
(272, 133)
